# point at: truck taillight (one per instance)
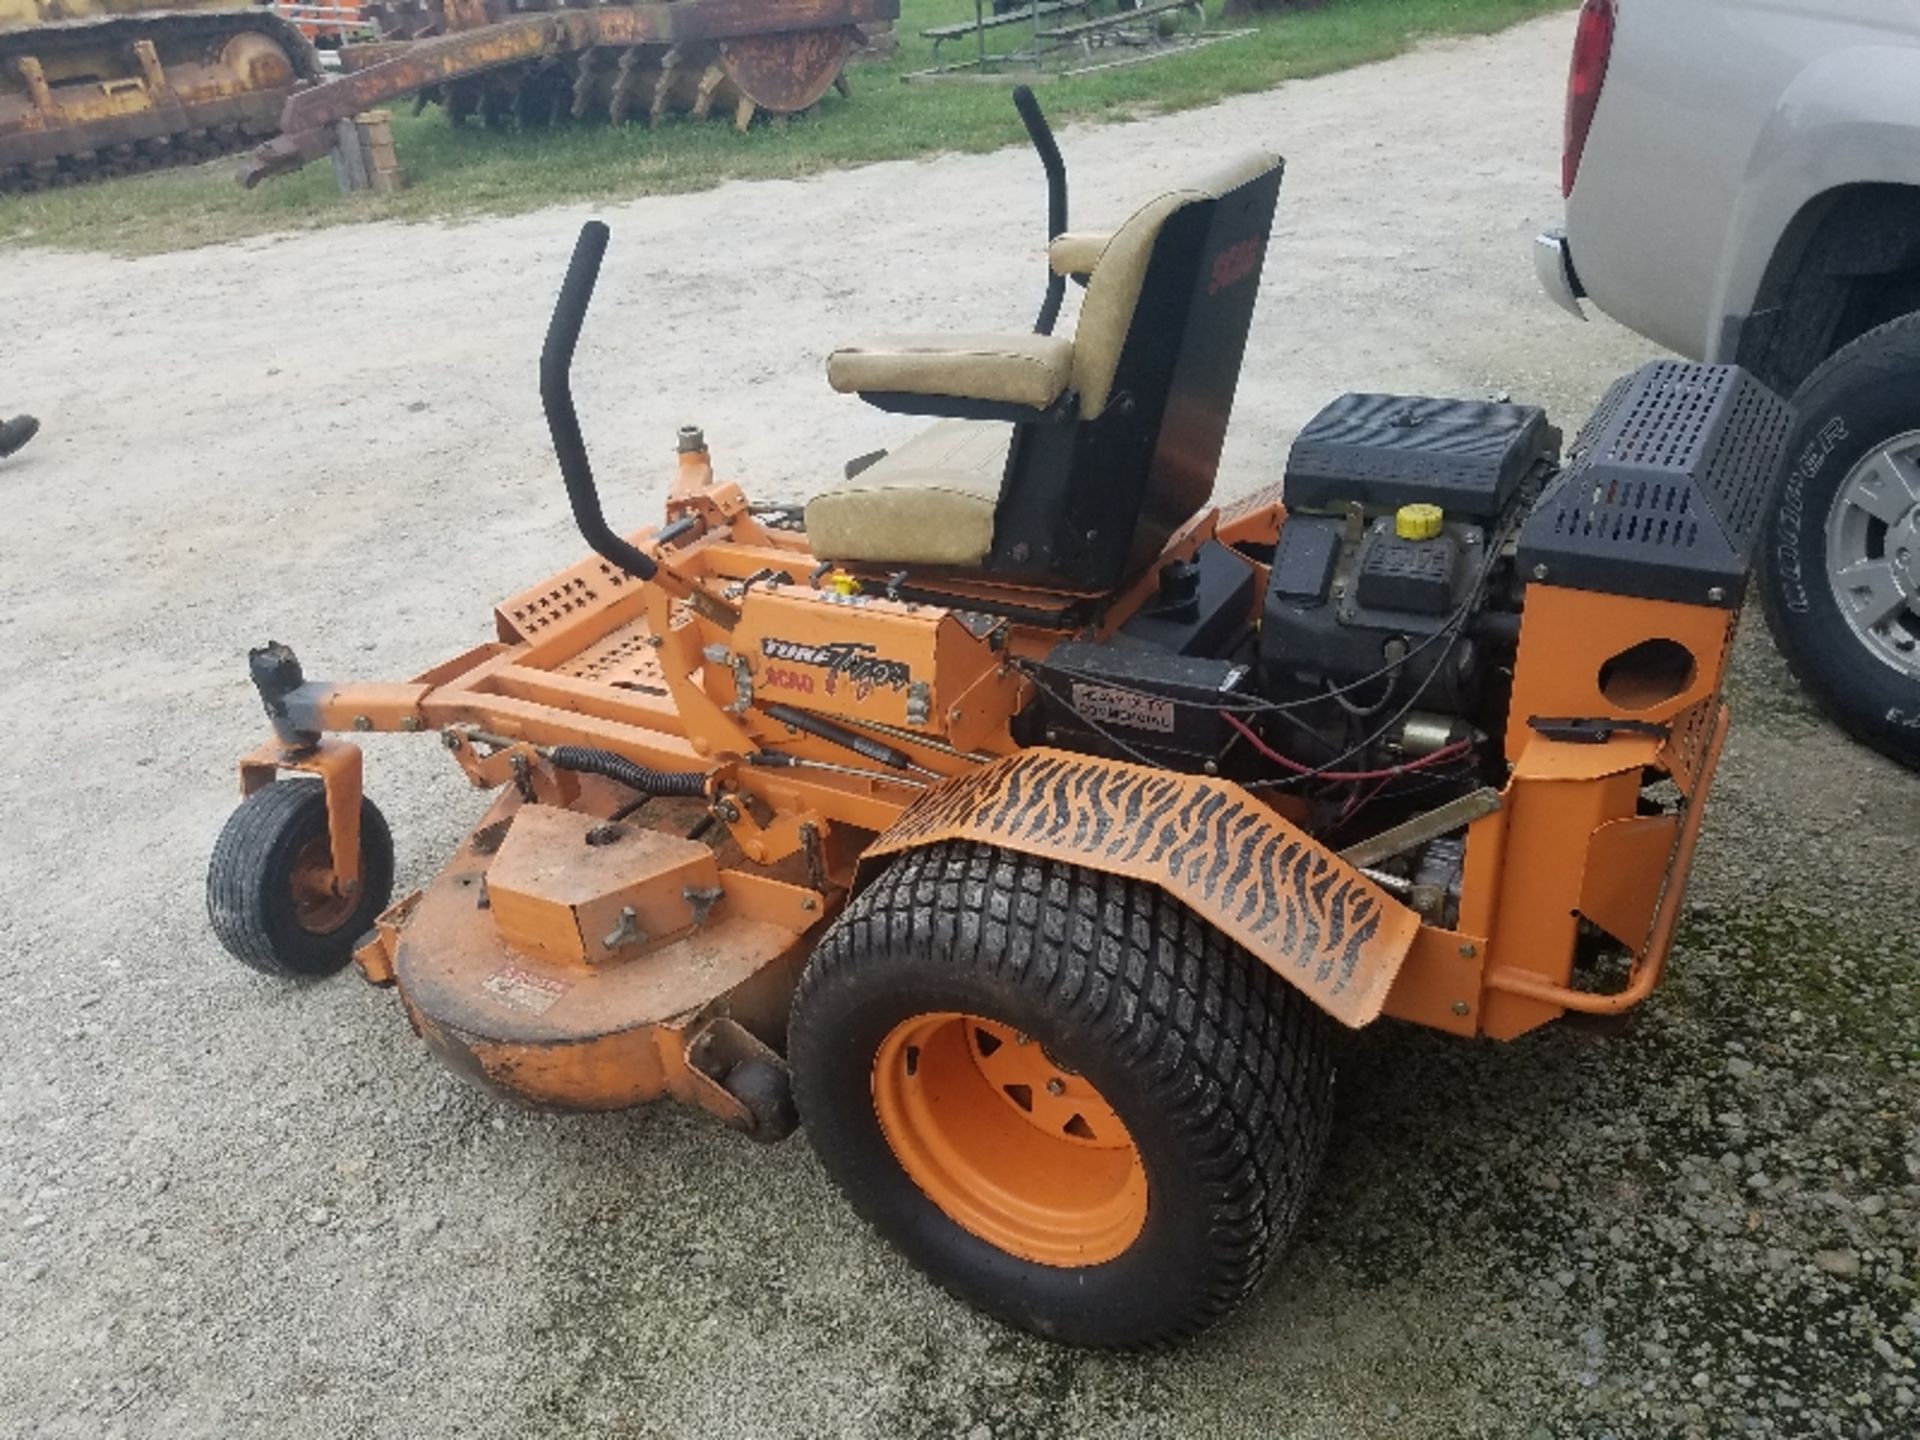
(1592, 46)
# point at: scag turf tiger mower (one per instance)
(1025, 821)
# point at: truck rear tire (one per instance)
(1840, 569)
(1059, 1093)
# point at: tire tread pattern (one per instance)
(1884, 360)
(1239, 1059)
(248, 905)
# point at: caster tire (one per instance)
(767, 1092)
(1840, 570)
(1059, 1093)
(270, 896)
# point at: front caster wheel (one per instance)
(272, 896)
(1059, 1093)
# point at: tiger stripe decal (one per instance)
(1317, 921)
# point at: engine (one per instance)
(1362, 660)
(1358, 670)
(1391, 597)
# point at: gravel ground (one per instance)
(234, 1207)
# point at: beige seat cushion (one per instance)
(1011, 369)
(930, 502)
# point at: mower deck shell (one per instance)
(545, 1029)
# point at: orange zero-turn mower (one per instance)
(1023, 822)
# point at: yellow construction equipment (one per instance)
(96, 88)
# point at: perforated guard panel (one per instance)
(1385, 451)
(1667, 489)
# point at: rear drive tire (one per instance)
(1059, 1093)
(271, 898)
(1840, 571)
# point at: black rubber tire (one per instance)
(249, 884)
(1865, 394)
(767, 1092)
(1221, 1072)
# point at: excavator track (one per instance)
(110, 95)
(194, 146)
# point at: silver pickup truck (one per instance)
(1743, 186)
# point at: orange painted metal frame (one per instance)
(338, 764)
(1651, 960)
(680, 675)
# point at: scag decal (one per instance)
(845, 661)
(1234, 264)
(778, 677)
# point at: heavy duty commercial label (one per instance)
(1130, 709)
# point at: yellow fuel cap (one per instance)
(1419, 522)
(841, 583)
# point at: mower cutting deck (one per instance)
(1024, 817)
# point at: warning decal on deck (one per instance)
(524, 990)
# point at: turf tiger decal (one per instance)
(1314, 919)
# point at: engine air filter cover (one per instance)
(1384, 452)
(1667, 490)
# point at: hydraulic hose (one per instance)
(688, 784)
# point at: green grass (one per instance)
(470, 172)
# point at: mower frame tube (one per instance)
(1651, 963)
(338, 764)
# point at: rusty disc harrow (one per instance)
(779, 74)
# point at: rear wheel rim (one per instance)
(1873, 552)
(1012, 1146)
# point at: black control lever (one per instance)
(556, 394)
(1041, 134)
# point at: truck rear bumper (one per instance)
(1553, 263)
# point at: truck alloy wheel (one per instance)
(1841, 566)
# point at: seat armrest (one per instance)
(1029, 371)
(1075, 252)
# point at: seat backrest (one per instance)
(1113, 292)
(1157, 355)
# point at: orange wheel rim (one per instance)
(317, 902)
(1014, 1147)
